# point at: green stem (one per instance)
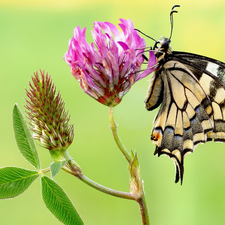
(43, 171)
(75, 170)
(144, 211)
(140, 196)
(104, 189)
(120, 145)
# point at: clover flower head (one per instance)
(108, 67)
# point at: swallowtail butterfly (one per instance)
(191, 91)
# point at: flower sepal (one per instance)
(62, 160)
(136, 182)
(59, 155)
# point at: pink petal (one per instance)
(152, 65)
(123, 45)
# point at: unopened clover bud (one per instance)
(46, 111)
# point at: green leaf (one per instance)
(23, 138)
(55, 167)
(58, 203)
(14, 181)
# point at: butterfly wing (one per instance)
(211, 76)
(201, 64)
(192, 107)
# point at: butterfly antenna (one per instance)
(145, 34)
(171, 18)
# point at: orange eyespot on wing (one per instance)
(156, 135)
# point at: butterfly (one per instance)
(190, 91)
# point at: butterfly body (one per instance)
(190, 91)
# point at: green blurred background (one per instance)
(34, 35)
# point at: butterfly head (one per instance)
(162, 48)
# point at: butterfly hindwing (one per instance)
(192, 109)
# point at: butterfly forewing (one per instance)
(202, 64)
(192, 94)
